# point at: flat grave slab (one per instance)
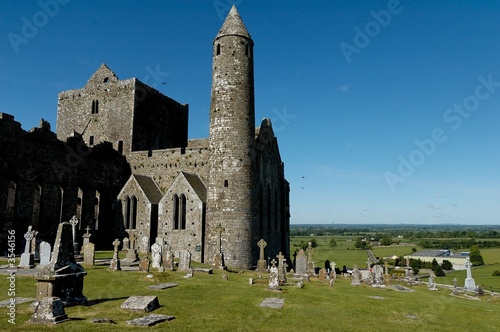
(149, 320)
(163, 286)
(273, 302)
(141, 303)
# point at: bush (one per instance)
(439, 271)
(496, 273)
(447, 265)
(475, 256)
(333, 243)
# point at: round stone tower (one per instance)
(231, 196)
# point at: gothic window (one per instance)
(179, 211)
(79, 204)
(35, 215)
(133, 212)
(176, 211)
(126, 216)
(11, 203)
(120, 147)
(95, 106)
(96, 209)
(183, 211)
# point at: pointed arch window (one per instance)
(95, 106)
(183, 211)
(179, 211)
(176, 211)
(133, 212)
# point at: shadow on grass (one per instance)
(97, 301)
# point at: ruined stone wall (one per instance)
(47, 174)
(272, 192)
(76, 111)
(165, 165)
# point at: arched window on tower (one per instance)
(218, 50)
(126, 214)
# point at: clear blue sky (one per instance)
(349, 85)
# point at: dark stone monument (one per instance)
(60, 283)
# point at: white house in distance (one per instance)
(458, 260)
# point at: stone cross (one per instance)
(74, 221)
(219, 229)
(87, 229)
(309, 251)
(116, 243)
(131, 237)
(262, 244)
(115, 262)
(28, 236)
(273, 262)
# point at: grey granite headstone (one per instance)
(45, 251)
(144, 264)
(168, 258)
(149, 320)
(126, 244)
(141, 303)
(89, 254)
(184, 260)
(273, 302)
(301, 263)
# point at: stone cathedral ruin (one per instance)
(122, 162)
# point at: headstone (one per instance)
(35, 249)
(281, 268)
(156, 256)
(273, 302)
(261, 263)
(132, 256)
(86, 236)
(189, 273)
(126, 244)
(356, 277)
(27, 257)
(168, 258)
(432, 284)
(144, 264)
(310, 262)
(470, 283)
(115, 261)
(60, 283)
(218, 261)
(322, 273)
(378, 275)
(184, 260)
(273, 277)
(163, 286)
(74, 221)
(150, 320)
(141, 303)
(89, 254)
(49, 310)
(301, 263)
(145, 244)
(103, 320)
(45, 251)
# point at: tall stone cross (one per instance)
(281, 259)
(87, 229)
(262, 244)
(467, 265)
(74, 221)
(219, 229)
(309, 252)
(131, 237)
(28, 236)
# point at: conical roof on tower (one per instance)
(233, 25)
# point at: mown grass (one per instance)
(207, 302)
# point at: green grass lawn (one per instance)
(206, 302)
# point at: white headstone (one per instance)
(45, 251)
(184, 260)
(156, 256)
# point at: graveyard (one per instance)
(184, 295)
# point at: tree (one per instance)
(386, 241)
(434, 265)
(475, 256)
(333, 243)
(439, 271)
(447, 265)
